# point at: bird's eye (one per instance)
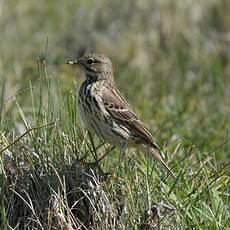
(89, 61)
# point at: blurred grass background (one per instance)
(171, 60)
(175, 54)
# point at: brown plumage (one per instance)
(105, 112)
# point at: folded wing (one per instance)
(120, 111)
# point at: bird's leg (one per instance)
(94, 148)
(123, 145)
(95, 163)
(107, 151)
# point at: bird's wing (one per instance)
(121, 111)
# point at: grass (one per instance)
(47, 180)
(174, 68)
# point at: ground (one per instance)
(171, 62)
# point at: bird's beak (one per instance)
(72, 62)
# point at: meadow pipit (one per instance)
(105, 112)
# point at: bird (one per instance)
(105, 112)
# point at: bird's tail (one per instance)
(156, 154)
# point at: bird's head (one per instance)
(95, 65)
